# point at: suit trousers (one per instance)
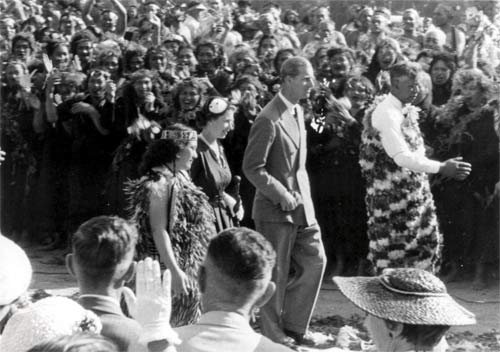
(298, 273)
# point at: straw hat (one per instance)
(15, 271)
(44, 320)
(410, 296)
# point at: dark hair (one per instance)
(448, 59)
(154, 50)
(102, 243)
(243, 255)
(28, 37)
(188, 82)
(205, 115)
(341, 51)
(217, 49)
(136, 51)
(80, 342)
(52, 46)
(281, 52)
(350, 80)
(404, 69)
(264, 37)
(82, 36)
(423, 336)
(163, 151)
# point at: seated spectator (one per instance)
(47, 319)
(407, 309)
(102, 262)
(82, 342)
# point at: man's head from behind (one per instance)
(237, 271)
(103, 251)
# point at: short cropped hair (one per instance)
(102, 243)
(404, 69)
(242, 254)
(291, 67)
(424, 336)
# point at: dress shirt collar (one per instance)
(223, 318)
(395, 101)
(102, 298)
(287, 102)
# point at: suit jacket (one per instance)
(274, 162)
(115, 325)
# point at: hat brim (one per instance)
(371, 296)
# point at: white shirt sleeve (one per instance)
(388, 123)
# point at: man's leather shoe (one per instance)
(302, 339)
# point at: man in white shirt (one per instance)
(402, 224)
(235, 281)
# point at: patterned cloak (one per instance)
(402, 225)
(190, 222)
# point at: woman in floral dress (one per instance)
(173, 216)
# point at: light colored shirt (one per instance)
(289, 105)
(224, 331)
(387, 119)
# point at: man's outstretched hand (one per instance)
(455, 168)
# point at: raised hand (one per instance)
(151, 306)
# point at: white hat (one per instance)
(15, 271)
(45, 320)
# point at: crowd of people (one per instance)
(352, 150)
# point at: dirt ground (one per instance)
(50, 274)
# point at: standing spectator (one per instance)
(455, 38)
(283, 212)
(334, 160)
(21, 120)
(411, 38)
(87, 121)
(442, 69)
(467, 208)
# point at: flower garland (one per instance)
(402, 225)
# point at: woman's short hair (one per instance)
(131, 52)
(164, 151)
(214, 107)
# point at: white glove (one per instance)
(153, 304)
(231, 203)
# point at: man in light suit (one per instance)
(283, 211)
